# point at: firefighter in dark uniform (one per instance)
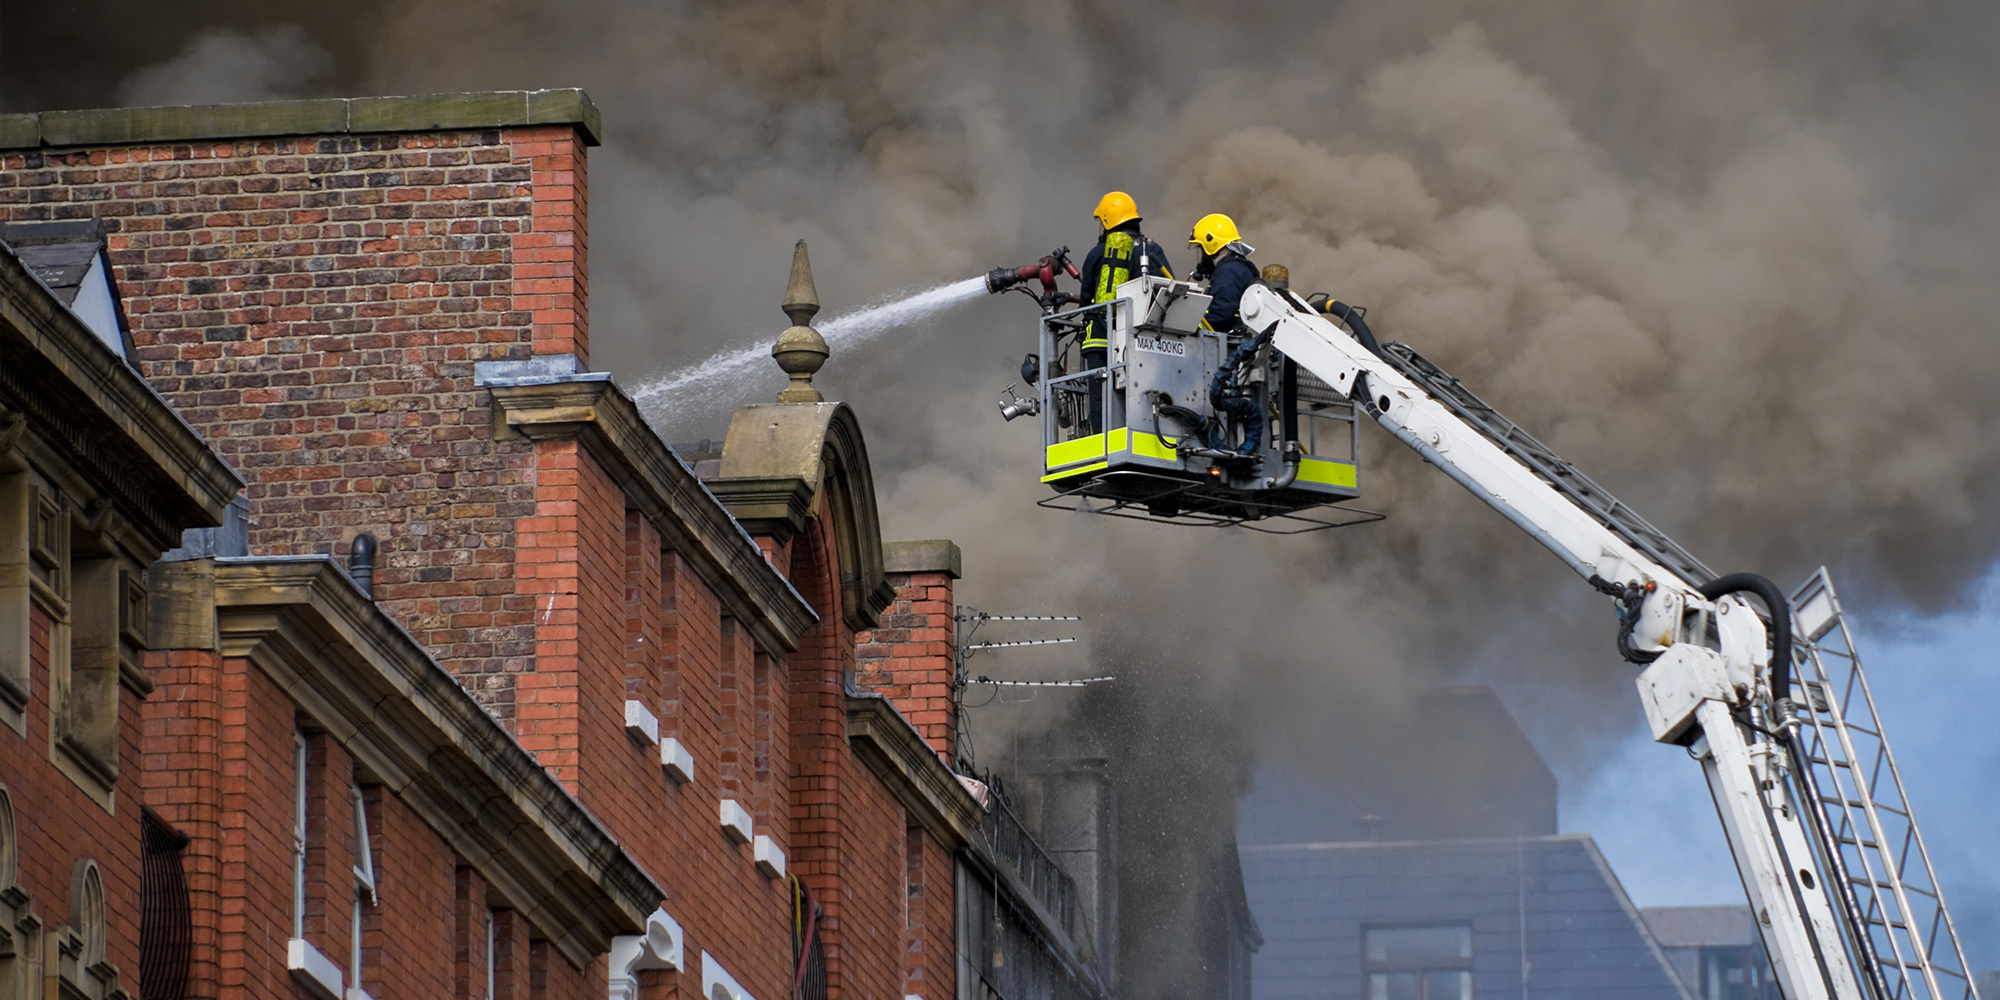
(1225, 262)
(1117, 258)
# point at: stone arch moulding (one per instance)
(9, 843)
(88, 911)
(820, 446)
(82, 966)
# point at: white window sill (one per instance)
(641, 724)
(676, 760)
(737, 824)
(316, 971)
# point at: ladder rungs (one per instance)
(1836, 800)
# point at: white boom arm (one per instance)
(1714, 699)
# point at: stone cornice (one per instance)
(691, 521)
(411, 725)
(775, 506)
(897, 753)
(331, 116)
(90, 408)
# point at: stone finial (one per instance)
(800, 350)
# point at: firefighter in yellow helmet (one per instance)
(1225, 262)
(1122, 253)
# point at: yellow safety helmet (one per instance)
(1213, 233)
(1114, 209)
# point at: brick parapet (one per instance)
(910, 659)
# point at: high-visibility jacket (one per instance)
(1113, 262)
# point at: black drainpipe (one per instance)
(361, 563)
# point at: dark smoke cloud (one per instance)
(1733, 259)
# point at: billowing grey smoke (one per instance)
(1734, 260)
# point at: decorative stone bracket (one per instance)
(659, 948)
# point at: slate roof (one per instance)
(1584, 938)
(59, 253)
(1698, 926)
(1452, 765)
(63, 256)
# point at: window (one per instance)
(79, 958)
(1419, 963)
(299, 788)
(320, 974)
(364, 887)
(492, 953)
(22, 574)
(1734, 973)
(72, 604)
(20, 944)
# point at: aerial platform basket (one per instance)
(1140, 438)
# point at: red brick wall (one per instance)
(732, 705)
(511, 965)
(58, 824)
(409, 938)
(218, 766)
(547, 713)
(552, 978)
(182, 781)
(468, 939)
(866, 929)
(329, 844)
(930, 968)
(313, 306)
(848, 830)
(909, 658)
(772, 747)
(255, 847)
(644, 577)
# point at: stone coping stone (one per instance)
(329, 116)
(930, 555)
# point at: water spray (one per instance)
(733, 371)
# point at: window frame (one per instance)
(1374, 969)
(365, 894)
(492, 952)
(301, 787)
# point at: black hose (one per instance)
(1781, 625)
(1288, 402)
(1354, 319)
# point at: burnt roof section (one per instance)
(331, 116)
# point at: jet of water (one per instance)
(729, 371)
